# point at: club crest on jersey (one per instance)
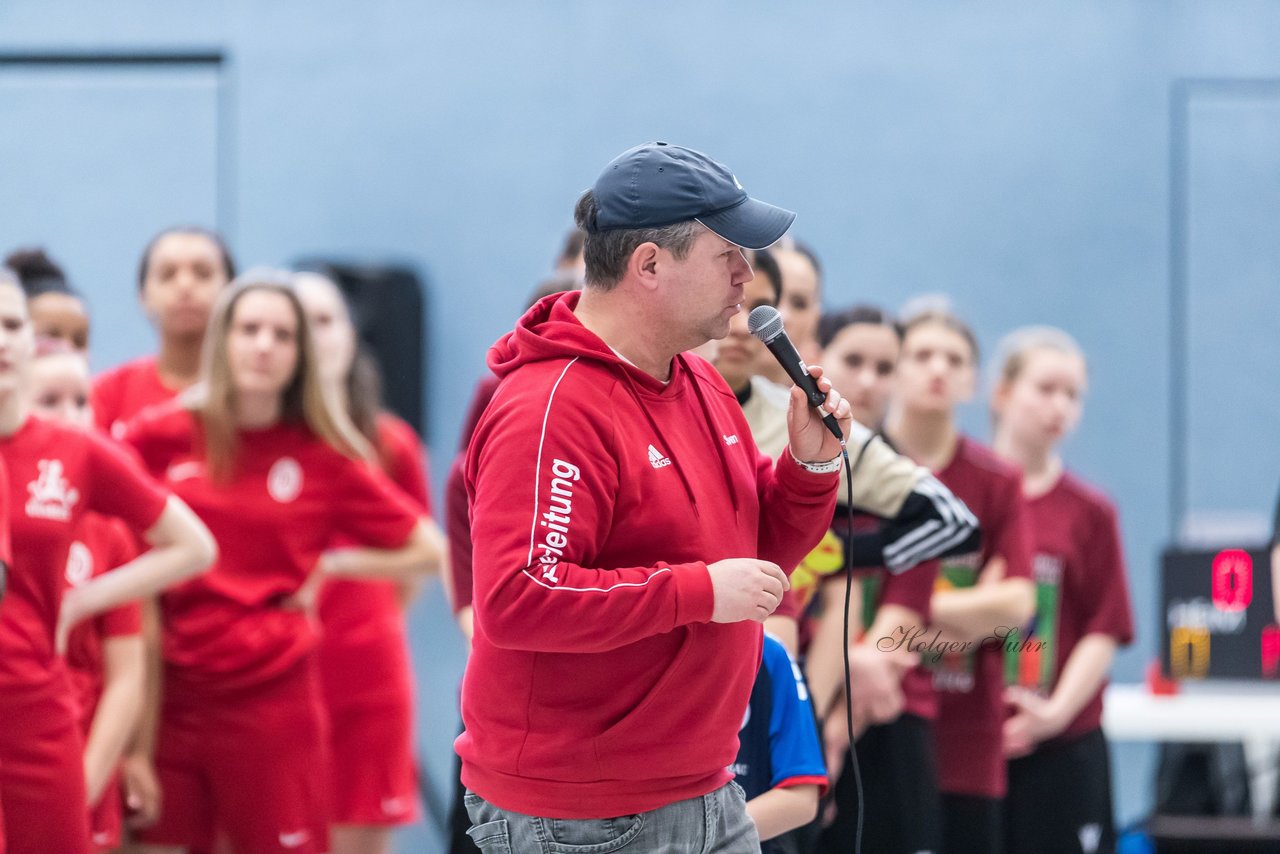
(79, 564)
(52, 496)
(284, 481)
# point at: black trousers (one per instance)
(903, 812)
(971, 824)
(1059, 799)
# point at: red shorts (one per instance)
(375, 779)
(106, 820)
(248, 766)
(42, 792)
(368, 693)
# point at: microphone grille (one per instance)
(764, 322)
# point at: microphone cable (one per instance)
(850, 470)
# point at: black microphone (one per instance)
(765, 323)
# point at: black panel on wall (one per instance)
(387, 306)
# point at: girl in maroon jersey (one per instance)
(57, 474)
(894, 704)
(980, 596)
(105, 656)
(278, 474)
(181, 273)
(364, 656)
(1054, 738)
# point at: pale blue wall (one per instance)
(1014, 155)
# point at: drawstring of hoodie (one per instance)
(716, 440)
(667, 446)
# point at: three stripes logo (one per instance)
(657, 459)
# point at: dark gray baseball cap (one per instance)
(659, 184)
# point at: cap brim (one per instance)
(751, 225)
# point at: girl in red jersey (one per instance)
(277, 474)
(364, 655)
(981, 596)
(1057, 753)
(182, 271)
(57, 474)
(105, 656)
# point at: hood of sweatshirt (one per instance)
(550, 330)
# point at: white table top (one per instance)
(1204, 712)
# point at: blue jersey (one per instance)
(778, 742)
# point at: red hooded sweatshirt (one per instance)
(597, 685)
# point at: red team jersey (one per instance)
(101, 544)
(290, 496)
(970, 684)
(242, 747)
(1079, 573)
(126, 390)
(365, 669)
(56, 475)
(363, 655)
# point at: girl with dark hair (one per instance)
(893, 699)
(981, 595)
(364, 656)
(800, 303)
(277, 473)
(56, 474)
(1054, 742)
(56, 310)
(181, 273)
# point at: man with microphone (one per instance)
(628, 536)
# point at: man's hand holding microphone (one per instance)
(749, 588)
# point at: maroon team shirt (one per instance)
(823, 570)
(1081, 589)
(969, 684)
(290, 495)
(126, 390)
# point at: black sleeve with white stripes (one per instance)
(932, 523)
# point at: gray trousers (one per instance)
(712, 824)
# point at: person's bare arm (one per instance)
(779, 810)
(141, 787)
(466, 622)
(421, 554)
(181, 547)
(1038, 719)
(824, 666)
(971, 614)
(786, 630)
(116, 717)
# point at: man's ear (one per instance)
(643, 265)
